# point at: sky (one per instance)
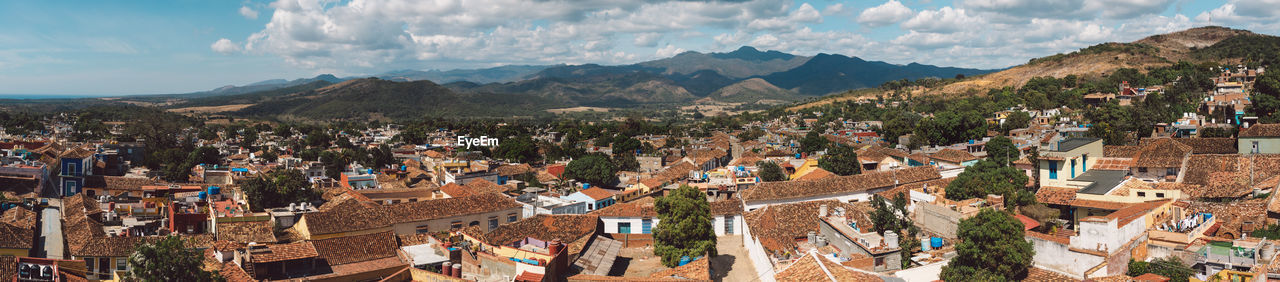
(180, 46)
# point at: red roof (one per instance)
(1151, 277)
(528, 276)
(556, 170)
(1027, 222)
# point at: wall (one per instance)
(718, 223)
(492, 265)
(1059, 258)
(759, 257)
(861, 196)
(427, 276)
(611, 224)
(937, 219)
(1093, 150)
(405, 228)
(1265, 145)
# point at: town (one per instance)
(819, 193)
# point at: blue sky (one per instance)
(178, 46)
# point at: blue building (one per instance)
(73, 166)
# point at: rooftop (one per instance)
(1073, 143)
(1102, 181)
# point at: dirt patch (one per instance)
(577, 109)
(210, 109)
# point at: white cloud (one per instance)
(225, 46)
(669, 51)
(836, 9)
(943, 20)
(886, 14)
(248, 13)
(647, 39)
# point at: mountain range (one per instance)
(745, 75)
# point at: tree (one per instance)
(1016, 120)
(684, 226)
(992, 247)
(1002, 151)
(841, 160)
(1169, 267)
(595, 169)
(519, 149)
(334, 163)
(382, 156)
(770, 171)
(812, 142)
(168, 260)
(987, 177)
(278, 189)
(1266, 97)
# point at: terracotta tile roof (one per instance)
(414, 239)
(119, 182)
(349, 215)
(1226, 184)
(593, 277)
(815, 174)
(920, 158)
(641, 207)
(597, 193)
(1037, 274)
(778, 226)
(811, 268)
(1105, 205)
(936, 184)
(110, 246)
(451, 207)
(1114, 151)
(1162, 152)
(513, 169)
(839, 184)
(8, 267)
(247, 231)
(481, 186)
(726, 207)
(567, 228)
(953, 156)
(1205, 145)
(1112, 164)
(15, 237)
(455, 190)
(1232, 215)
(233, 273)
(357, 248)
(699, 269)
(283, 252)
(432, 154)
(76, 153)
(1261, 130)
(379, 194)
(20, 217)
(1063, 236)
(1112, 278)
(1136, 211)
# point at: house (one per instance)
(812, 267)
(953, 157)
(851, 188)
(1260, 139)
(17, 232)
(640, 216)
(1160, 160)
(356, 217)
(876, 158)
(280, 261)
(852, 240)
(1098, 241)
(595, 197)
(529, 238)
(74, 165)
(1066, 159)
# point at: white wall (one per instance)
(862, 196)
(1106, 235)
(759, 258)
(718, 222)
(611, 224)
(1057, 257)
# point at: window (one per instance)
(511, 217)
(728, 224)
(1171, 171)
(590, 206)
(1160, 195)
(1053, 169)
(879, 262)
(624, 227)
(1255, 147)
(455, 225)
(646, 225)
(121, 264)
(493, 222)
(1084, 160)
(1073, 168)
(1142, 194)
(474, 223)
(422, 229)
(1142, 170)
(88, 264)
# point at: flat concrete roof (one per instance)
(1103, 180)
(1073, 143)
(51, 231)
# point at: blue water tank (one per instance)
(215, 190)
(936, 242)
(203, 195)
(797, 156)
(370, 171)
(684, 260)
(402, 168)
(586, 185)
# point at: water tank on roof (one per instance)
(936, 242)
(203, 195)
(684, 260)
(891, 239)
(924, 245)
(215, 190)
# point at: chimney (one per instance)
(822, 211)
(457, 271)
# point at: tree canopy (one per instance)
(841, 160)
(278, 189)
(987, 177)
(168, 260)
(770, 171)
(992, 248)
(519, 149)
(684, 226)
(595, 169)
(1169, 267)
(813, 142)
(1002, 151)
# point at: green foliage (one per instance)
(1016, 120)
(168, 260)
(841, 160)
(813, 142)
(1266, 97)
(991, 248)
(1130, 48)
(519, 149)
(595, 169)
(278, 189)
(1216, 132)
(1002, 151)
(890, 216)
(988, 177)
(1271, 231)
(751, 134)
(1169, 267)
(770, 171)
(684, 226)
(1042, 214)
(1254, 49)
(950, 127)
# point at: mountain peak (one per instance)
(748, 53)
